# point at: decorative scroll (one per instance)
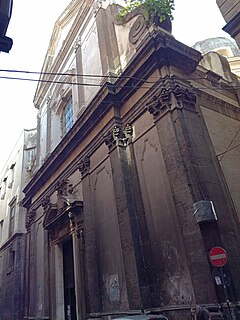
(138, 28)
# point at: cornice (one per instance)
(11, 240)
(214, 103)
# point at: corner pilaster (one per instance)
(174, 113)
(194, 174)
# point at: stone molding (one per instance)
(214, 103)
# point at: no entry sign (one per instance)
(218, 257)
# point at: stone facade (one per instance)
(111, 224)
(15, 174)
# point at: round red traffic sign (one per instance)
(218, 257)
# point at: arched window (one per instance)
(67, 117)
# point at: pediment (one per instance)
(60, 32)
(53, 215)
(50, 215)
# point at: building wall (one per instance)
(230, 10)
(14, 175)
(118, 190)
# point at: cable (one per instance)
(231, 142)
(93, 75)
(228, 150)
(71, 83)
(76, 74)
(101, 85)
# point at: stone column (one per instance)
(93, 295)
(121, 160)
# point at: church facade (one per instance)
(136, 174)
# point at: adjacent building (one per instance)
(15, 174)
(230, 10)
(224, 47)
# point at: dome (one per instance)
(224, 46)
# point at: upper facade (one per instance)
(88, 48)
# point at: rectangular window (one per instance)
(3, 188)
(30, 155)
(11, 178)
(12, 217)
(67, 117)
(11, 260)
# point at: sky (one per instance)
(30, 28)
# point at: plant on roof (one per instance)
(162, 9)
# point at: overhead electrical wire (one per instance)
(41, 73)
(229, 145)
(228, 149)
(76, 75)
(113, 84)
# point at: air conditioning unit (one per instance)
(204, 211)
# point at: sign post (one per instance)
(218, 258)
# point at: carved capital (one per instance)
(185, 97)
(49, 97)
(119, 136)
(77, 43)
(46, 203)
(160, 104)
(30, 218)
(171, 95)
(61, 187)
(96, 6)
(84, 166)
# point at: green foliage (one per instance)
(161, 9)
